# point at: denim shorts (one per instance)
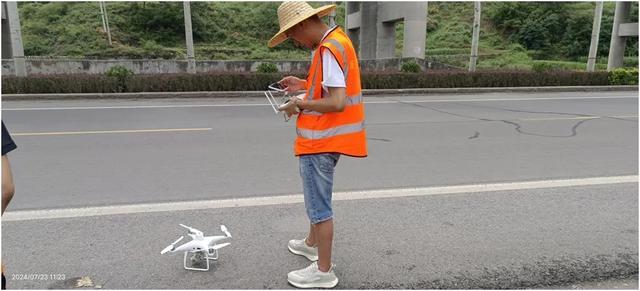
(317, 182)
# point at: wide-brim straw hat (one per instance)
(291, 13)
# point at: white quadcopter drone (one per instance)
(276, 89)
(202, 248)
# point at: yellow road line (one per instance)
(108, 131)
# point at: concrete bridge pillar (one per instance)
(621, 31)
(12, 37)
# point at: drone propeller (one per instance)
(187, 227)
(192, 230)
(224, 229)
(217, 247)
(170, 247)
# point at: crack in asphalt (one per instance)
(517, 126)
(379, 139)
(574, 128)
(544, 112)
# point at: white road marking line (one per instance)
(108, 131)
(22, 215)
(265, 104)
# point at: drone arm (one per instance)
(171, 247)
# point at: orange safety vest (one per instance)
(333, 132)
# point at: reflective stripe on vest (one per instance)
(340, 48)
(312, 88)
(338, 130)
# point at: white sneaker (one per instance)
(311, 277)
(299, 247)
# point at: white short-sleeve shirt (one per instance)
(332, 75)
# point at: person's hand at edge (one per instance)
(292, 83)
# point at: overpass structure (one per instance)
(372, 26)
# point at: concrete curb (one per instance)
(366, 92)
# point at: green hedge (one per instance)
(59, 84)
(80, 83)
(259, 81)
(457, 79)
(410, 67)
(267, 68)
(623, 77)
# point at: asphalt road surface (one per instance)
(459, 191)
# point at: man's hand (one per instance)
(292, 83)
(291, 107)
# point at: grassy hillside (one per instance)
(513, 34)
(222, 30)
(517, 34)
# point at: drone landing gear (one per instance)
(200, 257)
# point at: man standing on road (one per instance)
(330, 123)
(7, 180)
